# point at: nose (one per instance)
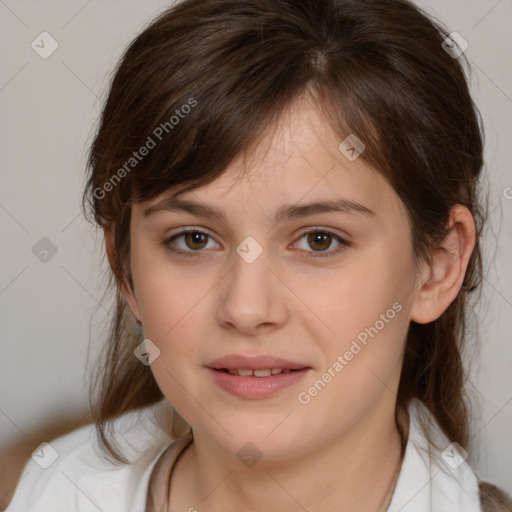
(252, 299)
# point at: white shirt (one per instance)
(433, 478)
(81, 480)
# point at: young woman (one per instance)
(289, 193)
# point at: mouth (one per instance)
(256, 377)
(255, 373)
(240, 363)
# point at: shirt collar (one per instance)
(433, 477)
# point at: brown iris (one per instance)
(194, 237)
(319, 238)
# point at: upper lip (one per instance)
(239, 362)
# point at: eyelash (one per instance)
(311, 254)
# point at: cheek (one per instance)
(165, 293)
(364, 313)
(362, 360)
(173, 302)
(356, 295)
(172, 309)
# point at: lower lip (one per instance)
(256, 387)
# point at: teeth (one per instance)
(262, 373)
(258, 373)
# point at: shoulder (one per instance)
(493, 499)
(72, 473)
(458, 483)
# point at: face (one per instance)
(324, 294)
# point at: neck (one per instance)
(355, 471)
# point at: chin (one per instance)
(256, 437)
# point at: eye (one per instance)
(194, 240)
(320, 241)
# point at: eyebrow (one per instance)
(285, 212)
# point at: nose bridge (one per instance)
(250, 276)
(249, 297)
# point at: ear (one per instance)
(126, 287)
(442, 280)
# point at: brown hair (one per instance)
(376, 68)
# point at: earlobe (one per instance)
(442, 280)
(126, 287)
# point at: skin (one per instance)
(342, 450)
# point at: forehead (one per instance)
(296, 161)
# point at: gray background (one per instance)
(49, 112)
